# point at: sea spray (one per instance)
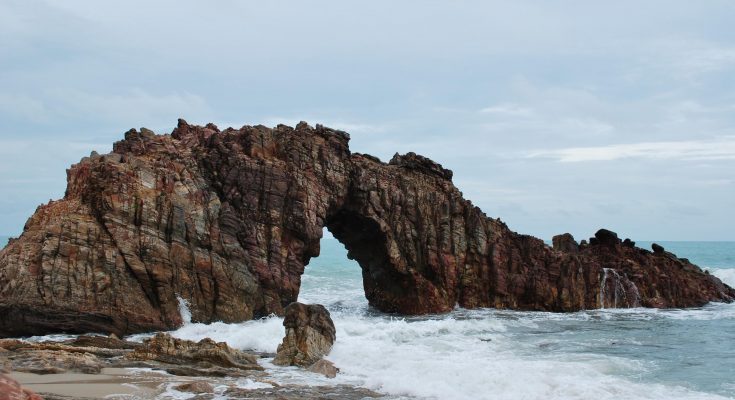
(624, 292)
(630, 353)
(184, 310)
(727, 275)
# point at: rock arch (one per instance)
(227, 219)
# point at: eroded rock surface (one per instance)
(227, 220)
(206, 353)
(310, 334)
(10, 389)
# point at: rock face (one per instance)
(310, 335)
(227, 220)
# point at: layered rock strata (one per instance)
(10, 389)
(91, 354)
(167, 349)
(310, 334)
(228, 219)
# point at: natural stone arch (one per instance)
(227, 220)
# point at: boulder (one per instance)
(310, 334)
(195, 387)
(10, 389)
(657, 248)
(607, 237)
(324, 367)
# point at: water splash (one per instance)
(184, 310)
(624, 292)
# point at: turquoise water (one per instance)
(639, 353)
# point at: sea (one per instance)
(501, 354)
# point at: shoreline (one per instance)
(110, 383)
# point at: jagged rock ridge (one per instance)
(227, 220)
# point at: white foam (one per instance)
(259, 335)
(246, 383)
(172, 394)
(60, 337)
(727, 275)
(184, 310)
(474, 358)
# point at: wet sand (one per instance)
(109, 384)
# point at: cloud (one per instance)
(69, 107)
(714, 149)
(508, 110)
(334, 123)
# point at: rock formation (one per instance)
(310, 335)
(167, 349)
(91, 354)
(227, 220)
(12, 390)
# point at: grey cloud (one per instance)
(500, 92)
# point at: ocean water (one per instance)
(500, 354)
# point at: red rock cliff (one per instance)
(228, 219)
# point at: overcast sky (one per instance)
(562, 116)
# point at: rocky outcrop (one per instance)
(206, 353)
(310, 334)
(195, 387)
(227, 220)
(324, 367)
(90, 355)
(12, 390)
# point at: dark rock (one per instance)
(227, 220)
(414, 161)
(565, 242)
(606, 237)
(628, 243)
(310, 334)
(657, 248)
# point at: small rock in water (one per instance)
(310, 335)
(324, 367)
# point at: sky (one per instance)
(562, 116)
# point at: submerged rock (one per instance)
(298, 392)
(227, 219)
(195, 387)
(310, 334)
(324, 367)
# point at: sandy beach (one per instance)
(112, 383)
